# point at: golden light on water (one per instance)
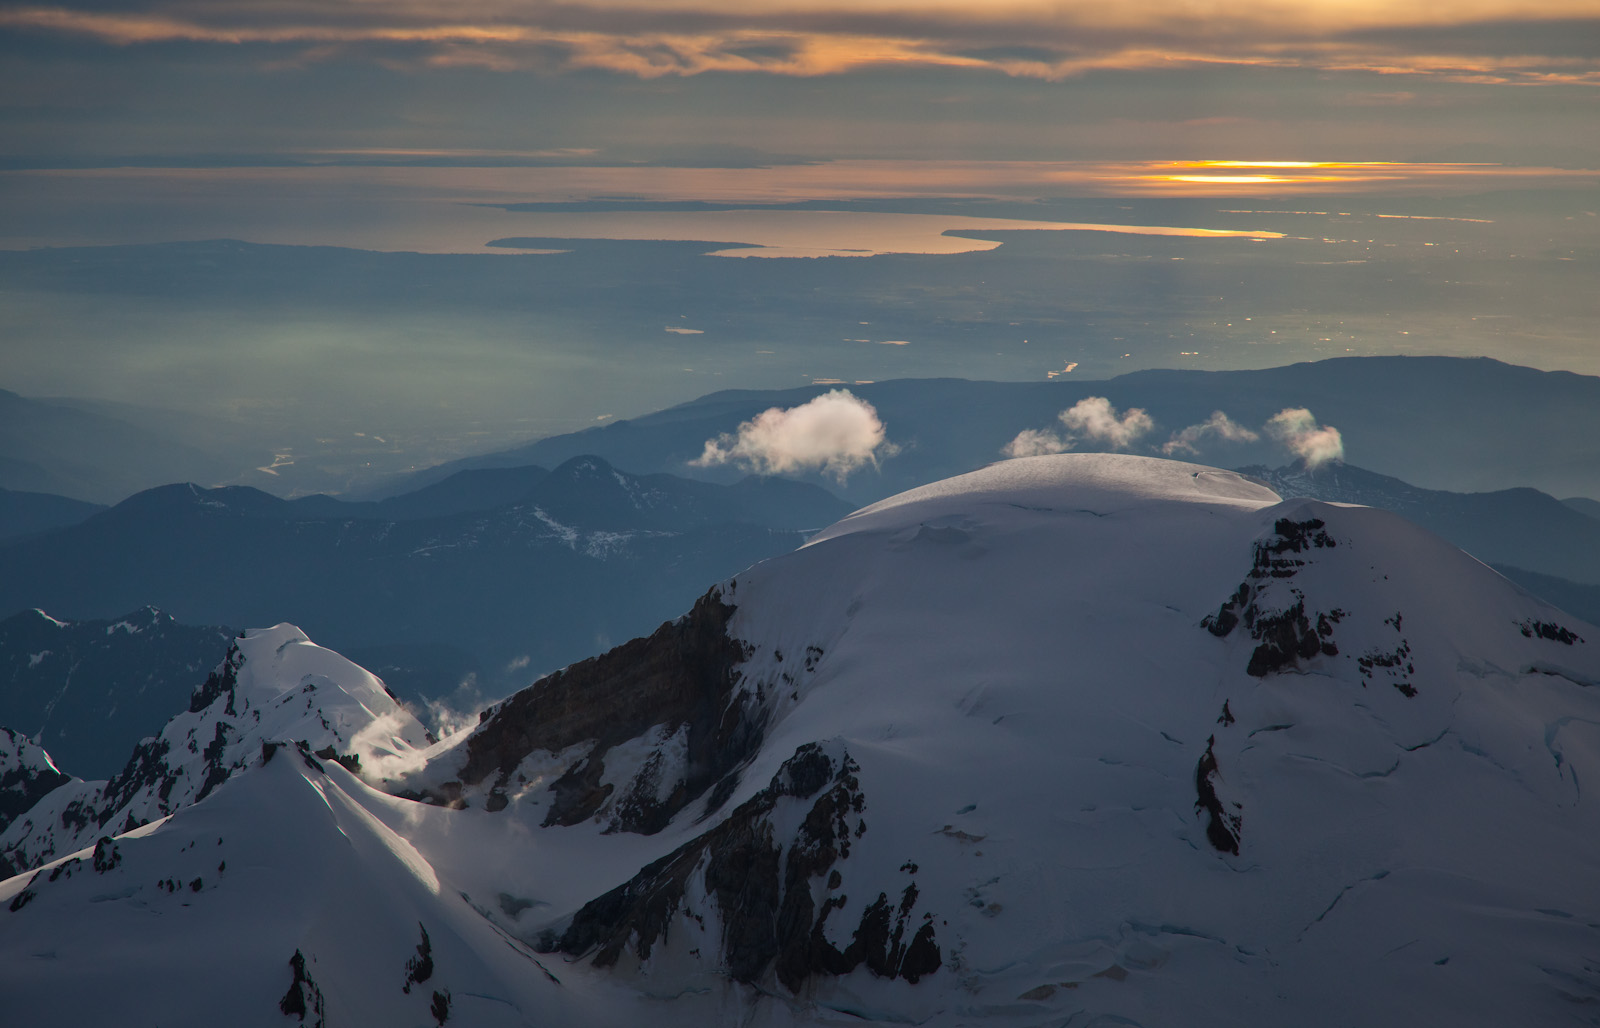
(1275, 177)
(383, 206)
(1228, 179)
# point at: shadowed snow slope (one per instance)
(1071, 739)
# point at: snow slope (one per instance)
(1080, 739)
(197, 919)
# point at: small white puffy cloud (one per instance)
(837, 433)
(1034, 442)
(1218, 425)
(1297, 429)
(1095, 418)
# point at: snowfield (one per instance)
(1078, 739)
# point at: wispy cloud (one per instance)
(1470, 40)
(837, 433)
(1218, 426)
(1035, 442)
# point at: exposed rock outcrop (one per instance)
(1289, 635)
(683, 680)
(763, 888)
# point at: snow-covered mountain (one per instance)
(274, 687)
(1072, 739)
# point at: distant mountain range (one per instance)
(1462, 424)
(70, 448)
(1441, 422)
(24, 513)
(87, 691)
(495, 575)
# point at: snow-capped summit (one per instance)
(274, 686)
(1107, 482)
(1080, 738)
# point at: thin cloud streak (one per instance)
(786, 183)
(1483, 41)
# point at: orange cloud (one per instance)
(1465, 40)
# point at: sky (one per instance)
(719, 81)
(1099, 187)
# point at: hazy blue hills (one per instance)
(24, 513)
(1461, 424)
(588, 557)
(1577, 598)
(58, 447)
(87, 691)
(1584, 505)
(1464, 424)
(480, 489)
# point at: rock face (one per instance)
(760, 890)
(1286, 634)
(683, 682)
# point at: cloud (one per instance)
(1033, 442)
(1096, 419)
(1297, 429)
(1218, 425)
(1525, 41)
(837, 433)
(1093, 418)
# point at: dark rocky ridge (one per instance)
(762, 887)
(684, 676)
(1286, 637)
(1222, 825)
